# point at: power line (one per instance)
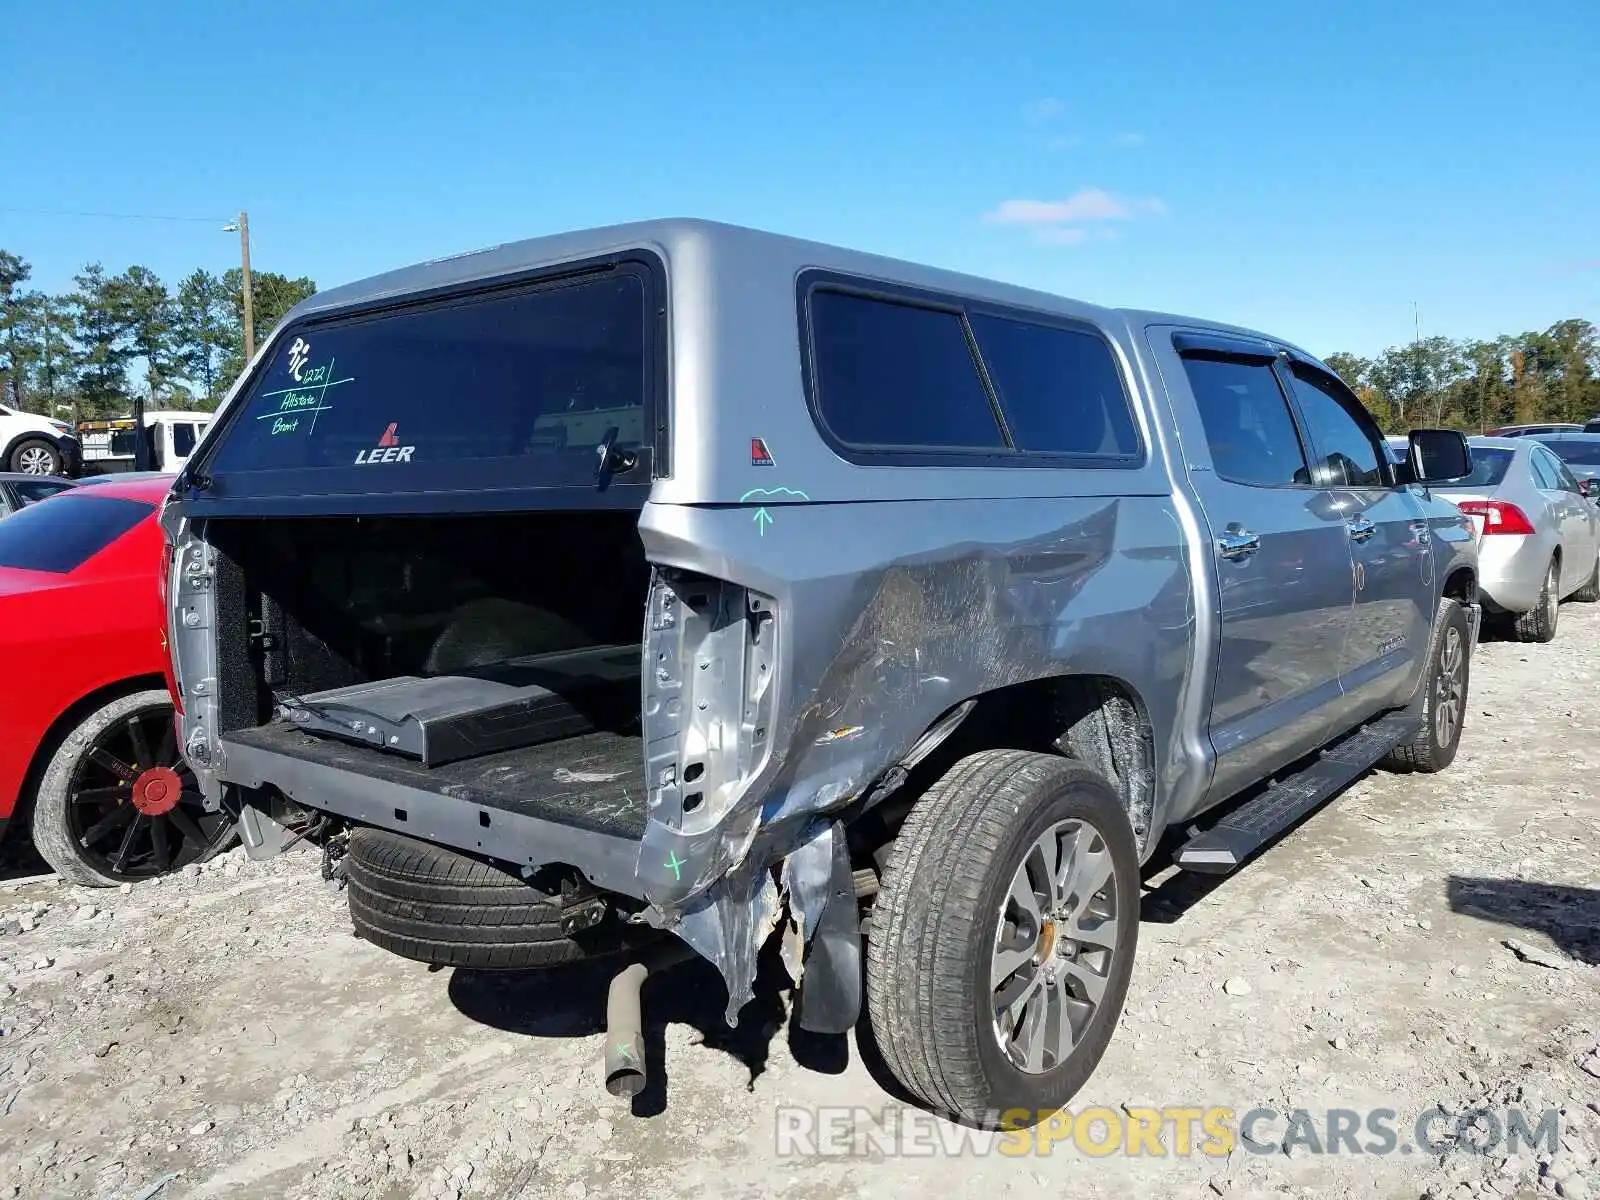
(62, 212)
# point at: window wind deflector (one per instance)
(1219, 344)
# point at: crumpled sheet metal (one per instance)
(927, 633)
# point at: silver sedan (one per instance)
(1538, 534)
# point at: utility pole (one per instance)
(1416, 349)
(243, 226)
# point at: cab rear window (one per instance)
(531, 378)
(62, 533)
(1489, 467)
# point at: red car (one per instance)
(87, 747)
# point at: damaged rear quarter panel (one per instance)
(888, 614)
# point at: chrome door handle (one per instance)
(1236, 545)
(1361, 529)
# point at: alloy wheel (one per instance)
(134, 810)
(1448, 691)
(1054, 940)
(36, 460)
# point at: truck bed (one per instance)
(594, 782)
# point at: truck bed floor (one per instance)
(595, 781)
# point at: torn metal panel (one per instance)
(856, 664)
(728, 924)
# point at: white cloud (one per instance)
(1088, 212)
(1086, 204)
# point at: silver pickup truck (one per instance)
(668, 588)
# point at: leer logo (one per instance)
(388, 449)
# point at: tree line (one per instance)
(1476, 385)
(87, 353)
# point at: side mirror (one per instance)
(1439, 455)
(1589, 488)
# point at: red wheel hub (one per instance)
(156, 791)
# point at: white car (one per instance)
(35, 445)
(1538, 534)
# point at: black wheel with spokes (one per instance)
(118, 804)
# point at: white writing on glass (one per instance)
(298, 353)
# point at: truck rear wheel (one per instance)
(438, 906)
(1002, 938)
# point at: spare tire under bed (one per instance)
(439, 906)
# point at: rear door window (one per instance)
(1553, 473)
(514, 388)
(63, 535)
(1249, 427)
(1543, 473)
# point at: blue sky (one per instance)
(1308, 173)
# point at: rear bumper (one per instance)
(1511, 569)
(606, 860)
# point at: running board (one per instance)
(1253, 824)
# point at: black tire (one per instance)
(938, 916)
(80, 798)
(1538, 624)
(1590, 591)
(1434, 748)
(35, 456)
(435, 905)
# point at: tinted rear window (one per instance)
(891, 374)
(1059, 388)
(537, 375)
(64, 533)
(1585, 454)
(1489, 466)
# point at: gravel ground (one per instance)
(1422, 941)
